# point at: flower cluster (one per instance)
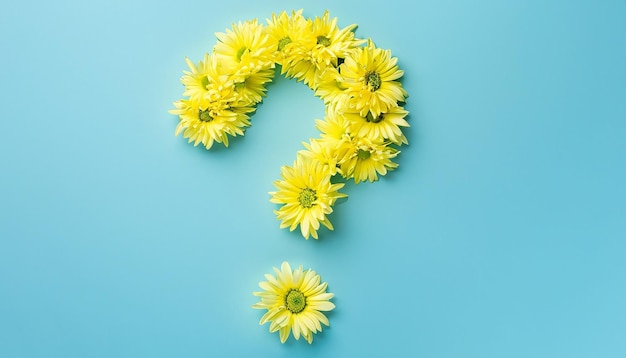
(224, 88)
(360, 133)
(357, 81)
(363, 123)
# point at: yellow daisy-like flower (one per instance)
(294, 301)
(196, 80)
(325, 153)
(207, 84)
(368, 160)
(369, 75)
(251, 89)
(331, 44)
(330, 88)
(209, 125)
(386, 125)
(244, 50)
(334, 126)
(292, 39)
(306, 195)
(215, 108)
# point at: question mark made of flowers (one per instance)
(359, 134)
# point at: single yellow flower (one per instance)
(196, 80)
(302, 69)
(334, 126)
(251, 89)
(330, 88)
(244, 50)
(385, 126)
(369, 75)
(325, 152)
(207, 84)
(333, 44)
(209, 125)
(334, 147)
(306, 195)
(294, 301)
(368, 160)
(291, 38)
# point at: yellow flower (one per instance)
(245, 49)
(330, 88)
(207, 84)
(368, 160)
(196, 80)
(325, 152)
(335, 145)
(306, 195)
(251, 89)
(385, 126)
(208, 125)
(294, 301)
(291, 38)
(216, 107)
(369, 75)
(331, 44)
(334, 126)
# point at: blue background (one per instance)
(502, 233)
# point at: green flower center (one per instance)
(323, 40)
(204, 115)
(371, 118)
(240, 85)
(372, 80)
(295, 301)
(307, 197)
(204, 82)
(363, 154)
(241, 52)
(283, 42)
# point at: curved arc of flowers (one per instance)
(359, 83)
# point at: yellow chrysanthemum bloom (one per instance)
(368, 160)
(330, 88)
(214, 108)
(291, 37)
(244, 50)
(207, 84)
(196, 79)
(369, 75)
(334, 125)
(331, 44)
(326, 153)
(335, 146)
(209, 125)
(386, 125)
(294, 301)
(251, 89)
(306, 195)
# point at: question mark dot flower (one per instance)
(307, 196)
(294, 300)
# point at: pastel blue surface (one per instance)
(502, 234)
